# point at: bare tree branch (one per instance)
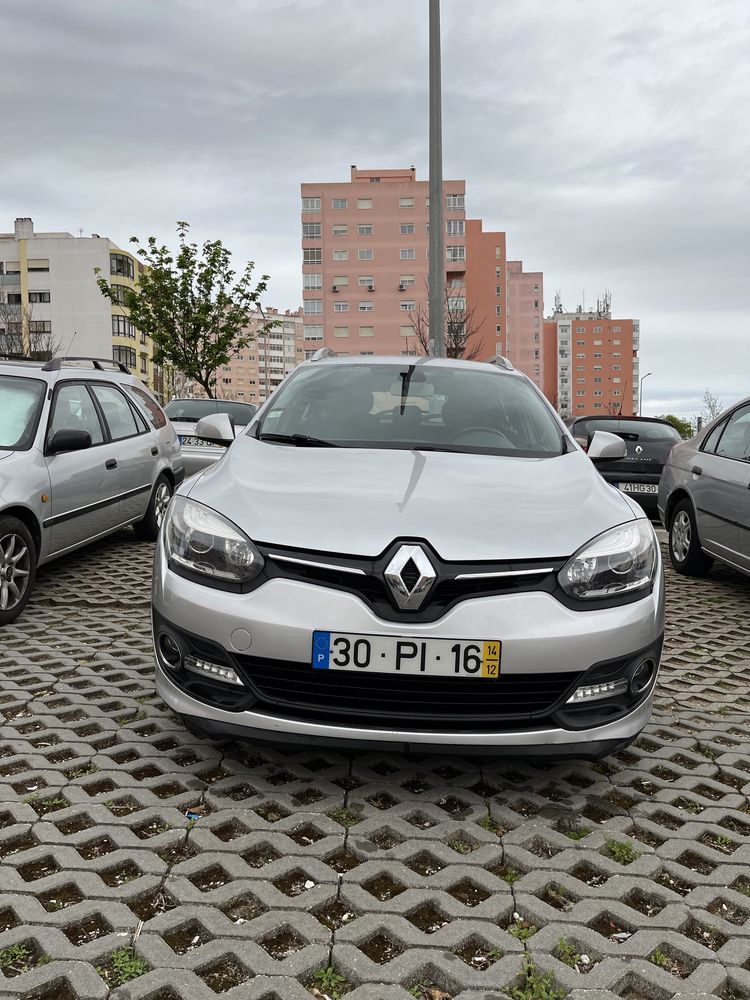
(461, 328)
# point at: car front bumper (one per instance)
(538, 634)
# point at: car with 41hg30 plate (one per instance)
(414, 553)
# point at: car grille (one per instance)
(380, 699)
(455, 582)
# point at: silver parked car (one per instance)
(411, 553)
(85, 449)
(185, 414)
(704, 496)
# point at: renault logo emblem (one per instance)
(410, 576)
(638, 449)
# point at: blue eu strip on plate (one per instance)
(321, 647)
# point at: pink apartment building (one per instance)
(254, 373)
(525, 320)
(365, 262)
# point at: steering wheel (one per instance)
(506, 442)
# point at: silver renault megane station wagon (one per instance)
(413, 553)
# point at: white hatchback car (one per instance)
(411, 553)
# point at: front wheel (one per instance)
(685, 552)
(17, 568)
(148, 528)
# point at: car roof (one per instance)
(614, 416)
(62, 368)
(333, 360)
(205, 399)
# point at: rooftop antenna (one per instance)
(80, 231)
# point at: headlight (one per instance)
(202, 541)
(618, 561)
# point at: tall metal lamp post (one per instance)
(436, 244)
(640, 394)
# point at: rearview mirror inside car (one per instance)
(216, 427)
(606, 447)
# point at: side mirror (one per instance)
(606, 447)
(218, 428)
(68, 440)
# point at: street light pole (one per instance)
(437, 252)
(640, 394)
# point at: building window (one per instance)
(45, 326)
(456, 303)
(597, 368)
(498, 310)
(455, 253)
(616, 329)
(408, 305)
(311, 204)
(599, 379)
(313, 332)
(364, 202)
(498, 329)
(454, 227)
(598, 392)
(313, 307)
(37, 297)
(367, 307)
(580, 392)
(365, 254)
(580, 368)
(124, 356)
(616, 354)
(617, 380)
(144, 363)
(122, 327)
(341, 280)
(616, 368)
(598, 343)
(365, 230)
(616, 392)
(118, 293)
(617, 342)
(365, 281)
(407, 253)
(33, 265)
(498, 255)
(580, 381)
(498, 290)
(406, 203)
(312, 281)
(341, 307)
(338, 203)
(598, 329)
(367, 331)
(407, 279)
(14, 298)
(407, 331)
(120, 263)
(312, 256)
(341, 255)
(580, 343)
(597, 354)
(407, 228)
(580, 329)
(311, 231)
(454, 202)
(341, 331)
(342, 230)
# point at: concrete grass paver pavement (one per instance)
(409, 875)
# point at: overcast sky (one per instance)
(609, 138)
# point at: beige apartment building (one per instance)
(50, 302)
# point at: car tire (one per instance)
(17, 568)
(148, 527)
(685, 552)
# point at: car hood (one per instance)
(6, 454)
(357, 501)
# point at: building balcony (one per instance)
(11, 308)
(10, 279)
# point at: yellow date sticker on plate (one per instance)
(491, 658)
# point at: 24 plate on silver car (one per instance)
(408, 655)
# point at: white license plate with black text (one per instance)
(406, 655)
(639, 487)
(190, 441)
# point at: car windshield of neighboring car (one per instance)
(192, 410)
(630, 430)
(408, 405)
(20, 404)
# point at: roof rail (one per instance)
(101, 364)
(324, 352)
(500, 361)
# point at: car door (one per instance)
(134, 447)
(720, 486)
(84, 486)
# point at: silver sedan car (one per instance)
(413, 554)
(704, 496)
(185, 414)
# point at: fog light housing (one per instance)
(642, 677)
(170, 650)
(216, 671)
(595, 692)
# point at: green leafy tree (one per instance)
(684, 428)
(193, 305)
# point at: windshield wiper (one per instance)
(299, 440)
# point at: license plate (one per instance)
(639, 487)
(385, 654)
(193, 442)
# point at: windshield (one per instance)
(408, 405)
(193, 409)
(20, 404)
(631, 430)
